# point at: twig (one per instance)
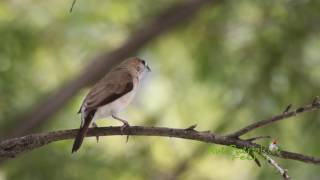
(310, 107)
(191, 128)
(282, 171)
(257, 138)
(256, 160)
(73, 3)
(287, 108)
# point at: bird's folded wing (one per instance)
(110, 88)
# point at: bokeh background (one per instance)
(233, 63)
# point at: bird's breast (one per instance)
(115, 106)
(122, 102)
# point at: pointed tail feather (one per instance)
(81, 134)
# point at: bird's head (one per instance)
(140, 66)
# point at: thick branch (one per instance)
(14, 146)
(286, 114)
(166, 21)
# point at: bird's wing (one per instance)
(116, 84)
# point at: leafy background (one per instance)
(236, 62)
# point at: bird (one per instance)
(111, 95)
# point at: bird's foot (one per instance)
(125, 127)
(95, 126)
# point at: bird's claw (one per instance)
(123, 128)
(95, 126)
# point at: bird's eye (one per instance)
(143, 62)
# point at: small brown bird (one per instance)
(111, 95)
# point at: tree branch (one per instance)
(285, 115)
(12, 147)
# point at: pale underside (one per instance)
(114, 107)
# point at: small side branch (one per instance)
(282, 171)
(258, 138)
(285, 115)
(72, 5)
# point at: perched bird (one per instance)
(111, 95)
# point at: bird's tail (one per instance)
(81, 134)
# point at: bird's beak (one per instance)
(148, 68)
